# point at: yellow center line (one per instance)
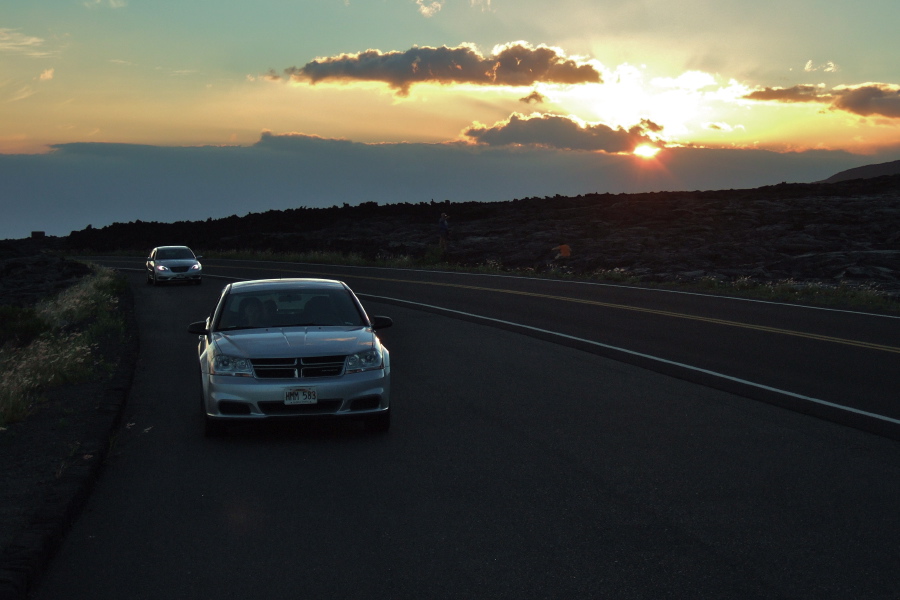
(664, 313)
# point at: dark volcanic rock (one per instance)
(828, 232)
(26, 278)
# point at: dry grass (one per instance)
(861, 296)
(60, 346)
(314, 257)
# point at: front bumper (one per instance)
(168, 276)
(229, 398)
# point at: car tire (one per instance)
(379, 423)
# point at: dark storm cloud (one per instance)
(555, 131)
(870, 99)
(517, 64)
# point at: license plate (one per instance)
(301, 396)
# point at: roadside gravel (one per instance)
(50, 461)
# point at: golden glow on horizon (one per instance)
(646, 151)
(694, 108)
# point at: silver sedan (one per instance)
(292, 348)
(173, 263)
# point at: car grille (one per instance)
(298, 368)
(179, 269)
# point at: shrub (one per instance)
(19, 326)
(64, 346)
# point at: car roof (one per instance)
(170, 247)
(296, 283)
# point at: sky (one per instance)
(166, 110)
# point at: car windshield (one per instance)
(174, 254)
(306, 307)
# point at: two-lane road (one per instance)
(840, 365)
(516, 467)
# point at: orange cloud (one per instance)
(515, 64)
(556, 131)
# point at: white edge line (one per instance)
(626, 351)
(647, 356)
(594, 283)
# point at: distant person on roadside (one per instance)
(562, 251)
(444, 230)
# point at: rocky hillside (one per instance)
(866, 172)
(28, 275)
(840, 232)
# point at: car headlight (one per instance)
(222, 364)
(364, 361)
(162, 268)
(195, 267)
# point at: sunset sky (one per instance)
(597, 77)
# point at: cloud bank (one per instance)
(514, 64)
(555, 131)
(98, 184)
(868, 99)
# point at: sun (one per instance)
(646, 151)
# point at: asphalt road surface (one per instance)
(548, 441)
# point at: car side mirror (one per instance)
(381, 322)
(198, 328)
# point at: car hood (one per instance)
(278, 342)
(177, 262)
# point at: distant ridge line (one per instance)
(866, 172)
